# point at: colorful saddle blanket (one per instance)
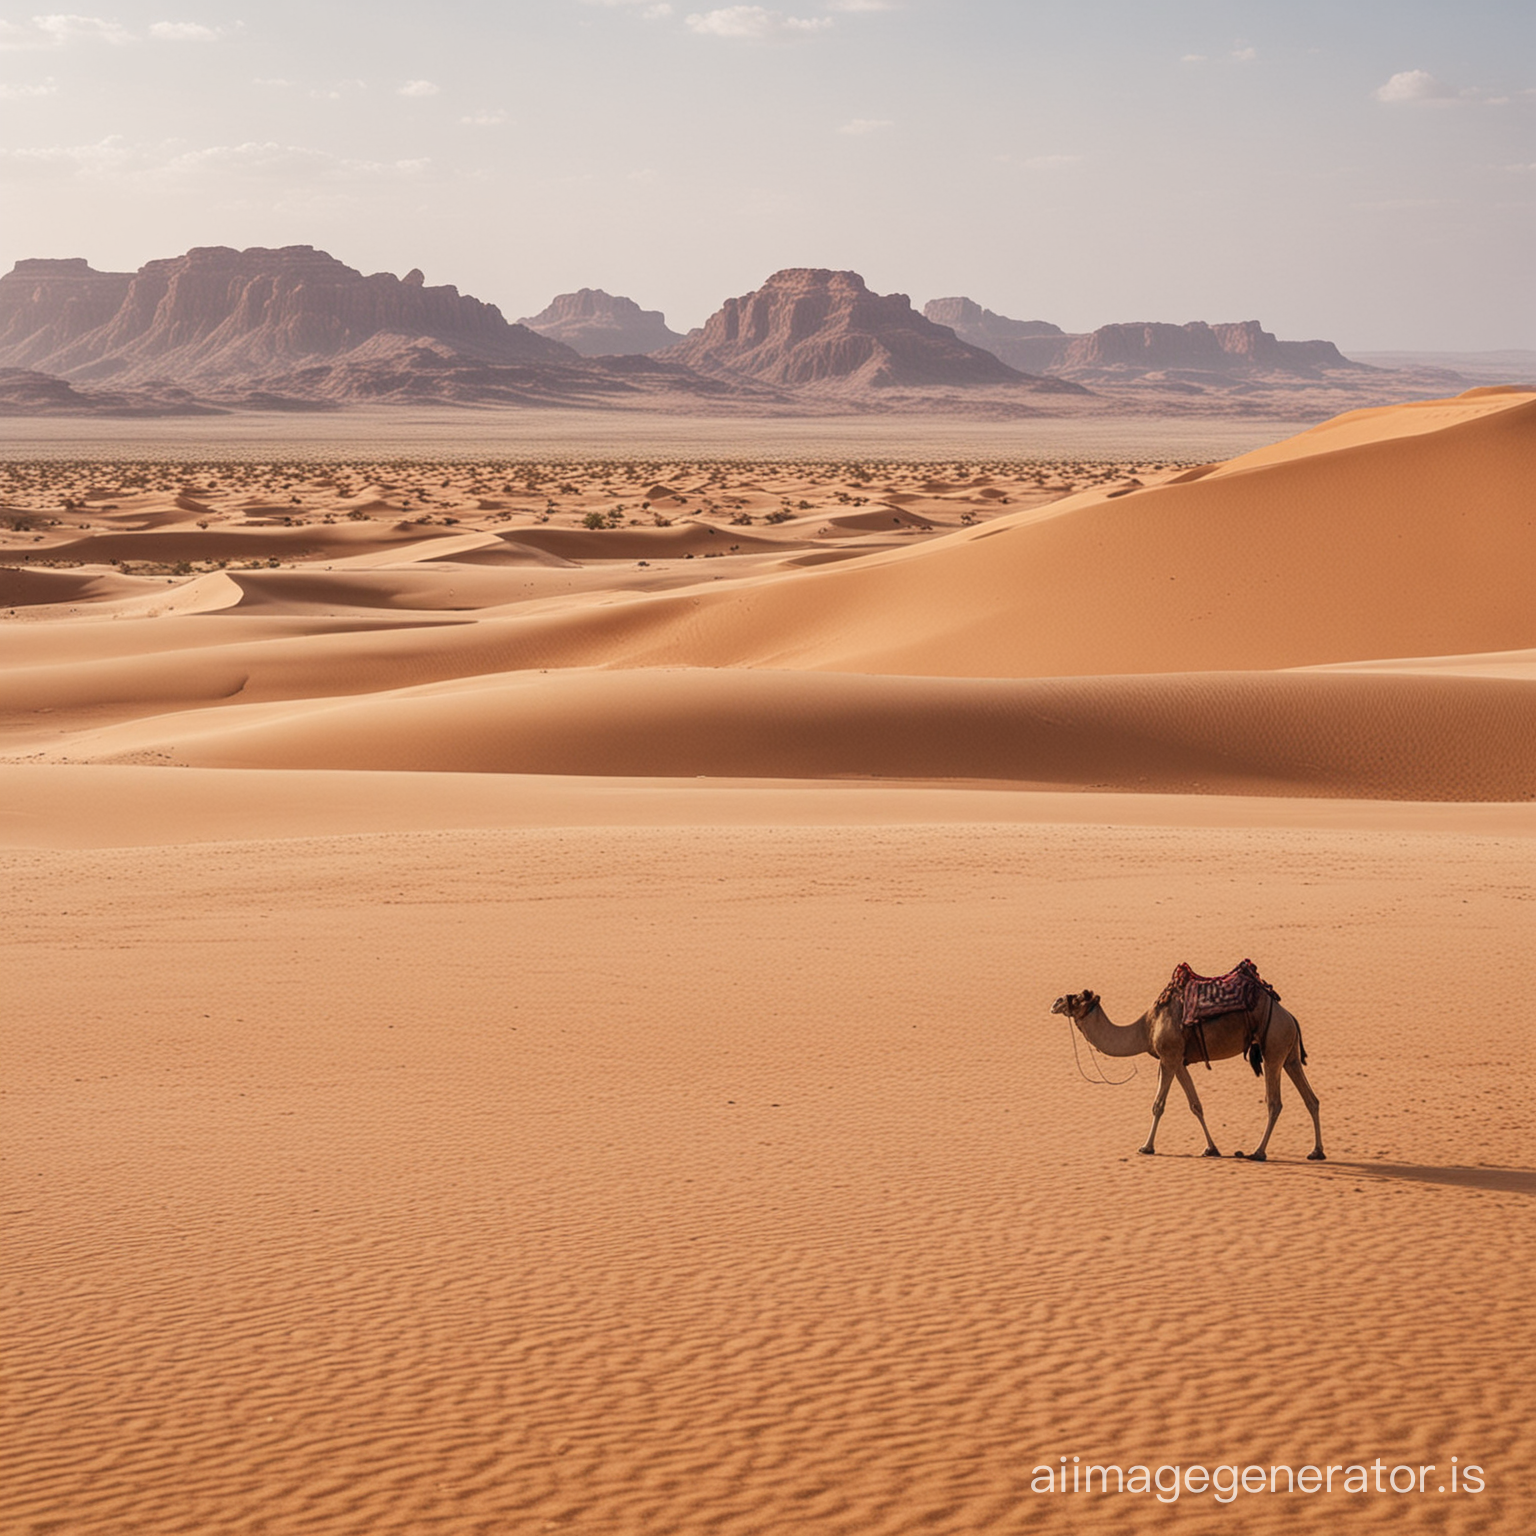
(1206, 997)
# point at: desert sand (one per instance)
(529, 984)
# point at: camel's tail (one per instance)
(1255, 1052)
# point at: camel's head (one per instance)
(1076, 1005)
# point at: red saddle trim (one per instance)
(1208, 997)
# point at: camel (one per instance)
(1267, 1034)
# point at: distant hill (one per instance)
(1120, 353)
(1510, 365)
(25, 392)
(807, 326)
(598, 324)
(220, 319)
(996, 333)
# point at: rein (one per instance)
(1107, 1082)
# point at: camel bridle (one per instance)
(1100, 1081)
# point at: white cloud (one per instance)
(68, 29)
(56, 31)
(107, 156)
(48, 87)
(486, 118)
(288, 162)
(1412, 85)
(755, 21)
(184, 32)
(216, 164)
(337, 91)
(417, 88)
(861, 125)
(1243, 55)
(285, 164)
(60, 29)
(1052, 162)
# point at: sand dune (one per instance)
(1511, 664)
(1002, 649)
(528, 987)
(1374, 737)
(691, 538)
(1315, 555)
(23, 588)
(188, 542)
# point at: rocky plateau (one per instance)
(598, 324)
(294, 329)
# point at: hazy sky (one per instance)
(1363, 170)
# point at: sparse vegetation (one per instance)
(51, 511)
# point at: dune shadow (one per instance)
(1510, 1181)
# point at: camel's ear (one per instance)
(1090, 999)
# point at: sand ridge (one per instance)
(1385, 736)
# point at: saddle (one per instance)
(1199, 998)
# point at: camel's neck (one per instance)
(1116, 1039)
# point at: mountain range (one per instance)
(293, 328)
(1195, 352)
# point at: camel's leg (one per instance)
(1309, 1098)
(1272, 1098)
(1187, 1083)
(1165, 1071)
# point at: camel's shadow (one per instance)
(1507, 1181)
